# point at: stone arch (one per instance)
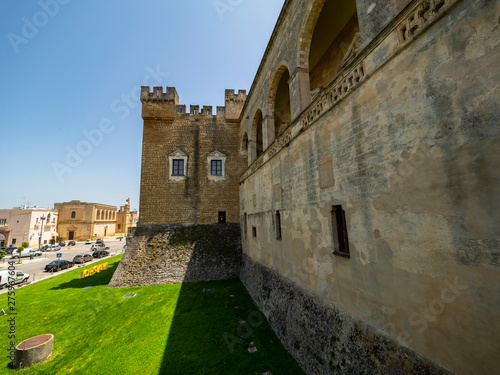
(279, 102)
(328, 42)
(257, 134)
(98, 215)
(244, 144)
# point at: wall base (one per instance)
(322, 338)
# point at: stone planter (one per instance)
(33, 350)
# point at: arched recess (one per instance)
(244, 147)
(244, 144)
(98, 215)
(258, 133)
(279, 101)
(329, 41)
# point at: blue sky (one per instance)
(70, 125)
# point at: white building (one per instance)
(27, 224)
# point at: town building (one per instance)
(125, 219)
(81, 220)
(34, 225)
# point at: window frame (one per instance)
(177, 156)
(277, 218)
(216, 156)
(339, 232)
(177, 167)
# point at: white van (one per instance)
(16, 275)
(26, 253)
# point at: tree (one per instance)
(23, 246)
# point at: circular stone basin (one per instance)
(33, 350)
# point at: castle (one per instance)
(364, 172)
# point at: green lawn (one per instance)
(166, 329)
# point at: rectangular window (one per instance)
(339, 230)
(222, 217)
(254, 232)
(278, 225)
(3, 221)
(14, 241)
(119, 226)
(216, 168)
(245, 225)
(178, 167)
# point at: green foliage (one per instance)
(20, 248)
(25, 245)
(58, 239)
(2, 254)
(180, 329)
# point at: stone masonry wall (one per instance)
(322, 338)
(169, 129)
(170, 254)
(406, 140)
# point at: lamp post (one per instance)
(41, 233)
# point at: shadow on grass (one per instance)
(214, 325)
(101, 278)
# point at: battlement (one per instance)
(152, 106)
(158, 95)
(241, 96)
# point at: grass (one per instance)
(165, 329)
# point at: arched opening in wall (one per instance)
(73, 214)
(280, 100)
(244, 144)
(334, 44)
(257, 128)
(98, 215)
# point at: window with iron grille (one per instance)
(216, 168)
(178, 167)
(339, 231)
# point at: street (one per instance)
(35, 267)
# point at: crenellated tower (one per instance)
(191, 161)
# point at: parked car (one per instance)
(62, 243)
(99, 246)
(13, 275)
(56, 247)
(71, 243)
(46, 248)
(82, 258)
(88, 242)
(100, 253)
(57, 265)
(99, 240)
(26, 253)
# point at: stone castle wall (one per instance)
(323, 338)
(406, 141)
(171, 132)
(170, 254)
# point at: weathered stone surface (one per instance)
(412, 128)
(195, 197)
(322, 338)
(169, 254)
(33, 350)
